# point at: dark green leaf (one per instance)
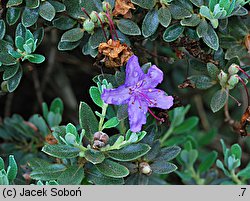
(10, 71)
(187, 125)
(163, 167)
(96, 96)
(192, 21)
(97, 38)
(150, 23)
(94, 156)
(148, 4)
(13, 82)
(32, 3)
(61, 151)
(47, 11)
(72, 35)
(130, 152)
(88, 120)
(168, 153)
(73, 175)
(213, 70)
(236, 151)
(179, 11)
(210, 37)
(2, 29)
(64, 23)
(112, 169)
(12, 15)
(59, 7)
(95, 177)
(173, 32)
(29, 17)
(48, 172)
(245, 173)
(207, 162)
(14, 3)
(164, 16)
(128, 27)
(198, 3)
(218, 100)
(202, 81)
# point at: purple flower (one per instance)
(139, 93)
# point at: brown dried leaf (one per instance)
(122, 7)
(247, 42)
(115, 53)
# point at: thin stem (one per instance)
(102, 118)
(103, 28)
(83, 9)
(111, 22)
(157, 118)
(166, 135)
(235, 178)
(196, 176)
(245, 87)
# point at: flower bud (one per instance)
(232, 81)
(105, 4)
(88, 25)
(93, 16)
(233, 69)
(145, 168)
(223, 77)
(100, 140)
(4, 86)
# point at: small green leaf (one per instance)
(201, 81)
(29, 17)
(63, 45)
(57, 106)
(10, 71)
(94, 156)
(13, 15)
(72, 35)
(148, 4)
(198, 3)
(96, 96)
(210, 37)
(12, 169)
(61, 151)
(128, 27)
(192, 21)
(178, 11)
(95, 177)
(32, 3)
(48, 172)
(187, 125)
(112, 169)
(219, 99)
(130, 152)
(47, 11)
(236, 151)
(73, 175)
(245, 173)
(213, 71)
(150, 23)
(64, 23)
(13, 82)
(168, 153)
(2, 29)
(207, 162)
(88, 120)
(173, 32)
(59, 7)
(163, 167)
(14, 3)
(111, 123)
(164, 16)
(36, 58)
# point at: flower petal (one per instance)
(158, 98)
(152, 78)
(116, 96)
(137, 110)
(133, 71)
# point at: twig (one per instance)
(201, 112)
(37, 86)
(8, 104)
(51, 60)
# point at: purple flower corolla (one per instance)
(139, 93)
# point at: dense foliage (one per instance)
(168, 102)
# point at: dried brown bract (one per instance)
(122, 7)
(115, 53)
(50, 139)
(247, 42)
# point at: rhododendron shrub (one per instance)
(124, 92)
